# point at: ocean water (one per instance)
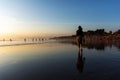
(53, 60)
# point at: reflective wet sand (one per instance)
(59, 61)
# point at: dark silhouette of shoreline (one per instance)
(98, 34)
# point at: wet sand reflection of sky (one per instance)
(58, 61)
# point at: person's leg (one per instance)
(78, 41)
(80, 46)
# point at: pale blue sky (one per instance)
(59, 16)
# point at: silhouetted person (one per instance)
(32, 39)
(36, 39)
(79, 36)
(39, 39)
(42, 39)
(25, 39)
(3, 39)
(80, 61)
(10, 39)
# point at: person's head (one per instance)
(80, 28)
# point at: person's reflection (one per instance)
(80, 61)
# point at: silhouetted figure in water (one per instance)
(32, 39)
(25, 39)
(42, 39)
(80, 61)
(10, 39)
(36, 39)
(3, 39)
(79, 36)
(39, 39)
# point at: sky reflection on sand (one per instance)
(58, 61)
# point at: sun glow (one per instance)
(6, 24)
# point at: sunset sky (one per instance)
(57, 17)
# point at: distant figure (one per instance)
(3, 39)
(80, 61)
(10, 39)
(79, 36)
(39, 39)
(42, 39)
(32, 39)
(25, 39)
(36, 39)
